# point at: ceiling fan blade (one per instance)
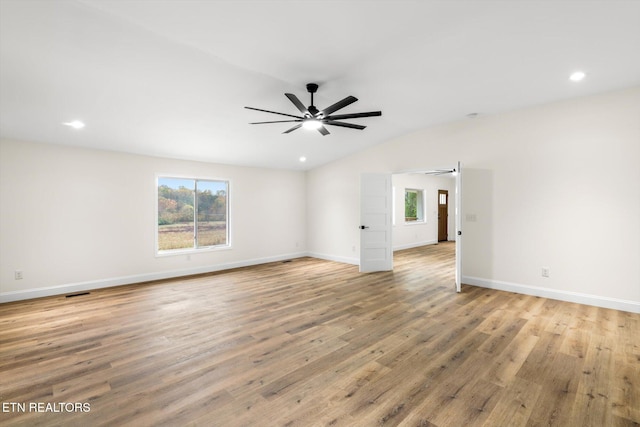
(345, 125)
(323, 130)
(273, 112)
(276, 121)
(299, 105)
(338, 105)
(354, 115)
(293, 128)
(439, 172)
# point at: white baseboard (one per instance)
(414, 245)
(344, 260)
(595, 300)
(138, 278)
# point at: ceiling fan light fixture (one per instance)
(312, 124)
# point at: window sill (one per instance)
(168, 253)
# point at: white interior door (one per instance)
(376, 205)
(459, 236)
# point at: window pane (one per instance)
(410, 205)
(212, 213)
(175, 213)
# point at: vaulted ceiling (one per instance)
(171, 77)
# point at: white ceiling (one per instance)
(170, 78)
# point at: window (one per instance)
(192, 214)
(413, 205)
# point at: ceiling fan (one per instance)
(439, 172)
(312, 118)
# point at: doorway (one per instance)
(443, 215)
(451, 221)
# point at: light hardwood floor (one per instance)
(312, 342)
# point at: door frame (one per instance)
(457, 168)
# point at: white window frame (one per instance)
(194, 249)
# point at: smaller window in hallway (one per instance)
(413, 205)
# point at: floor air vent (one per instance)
(77, 295)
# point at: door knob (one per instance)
(362, 227)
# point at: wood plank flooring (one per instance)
(315, 343)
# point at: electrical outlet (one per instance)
(545, 271)
(18, 274)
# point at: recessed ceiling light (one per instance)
(76, 124)
(577, 76)
(303, 159)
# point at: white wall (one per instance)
(549, 186)
(555, 186)
(413, 234)
(74, 219)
